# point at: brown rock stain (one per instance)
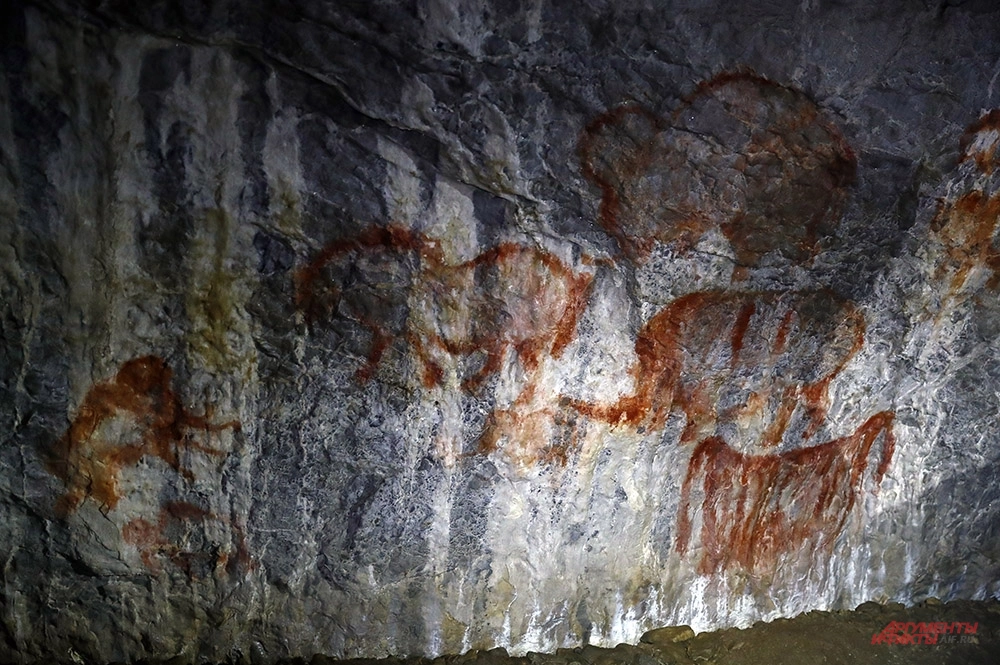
(212, 303)
(141, 393)
(755, 508)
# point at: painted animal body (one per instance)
(511, 298)
(139, 399)
(750, 360)
(754, 508)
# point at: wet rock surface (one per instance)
(371, 328)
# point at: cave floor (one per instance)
(811, 638)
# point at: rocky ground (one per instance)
(808, 639)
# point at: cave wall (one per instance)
(411, 328)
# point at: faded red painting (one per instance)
(135, 415)
(980, 141)
(511, 301)
(181, 536)
(761, 165)
(141, 399)
(535, 428)
(511, 298)
(963, 240)
(737, 357)
(754, 159)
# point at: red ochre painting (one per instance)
(749, 371)
(776, 352)
(139, 404)
(761, 164)
(981, 140)
(756, 160)
(755, 508)
(512, 299)
(963, 232)
(169, 539)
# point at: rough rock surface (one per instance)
(960, 632)
(368, 328)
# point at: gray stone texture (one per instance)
(368, 328)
